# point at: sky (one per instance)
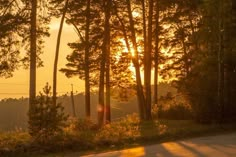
(18, 85)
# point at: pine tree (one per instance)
(46, 120)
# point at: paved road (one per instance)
(213, 146)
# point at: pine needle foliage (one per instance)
(46, 120)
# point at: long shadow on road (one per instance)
(213, 146)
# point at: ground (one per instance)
(211, 146)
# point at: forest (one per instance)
(126, 48)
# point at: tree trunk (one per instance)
(101, 93)
(107, 49)
(140, 95)
(144, 40)
(148, 63)
(54, 95)
(220, 61)
(72, 101)
(156, 56)
(33, 53)
(101, 100)
(87, 45)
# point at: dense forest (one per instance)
(188, 43)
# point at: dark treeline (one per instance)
(13, 112)
(188, 42)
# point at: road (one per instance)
(212, 146)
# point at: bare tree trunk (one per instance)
(220, 61)
(140, 94)
(156, 56)
(33, 53)
(54, 94)
(101, 93)
(149, 62)
(144, 40)
(101, 100)
(107, 48)
(72, 101)
(87, 78)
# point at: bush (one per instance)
(76, 124)
(127, 128)
(177, 112)
(14, 142)
(46, 121)
(172, 107)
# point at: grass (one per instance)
(128, 132)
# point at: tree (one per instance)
(86, 58)
(148, 62)
(46, 119)
(12, 24)
(86, 50)
(140, 94)
(209, 85)
(57, 53)
(138, 36)
(33, 53)
(156, 55)
(182, 39)
(145, 43)
(21, 28)
(106, 43)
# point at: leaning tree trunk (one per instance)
(54, 93)
(140, 94)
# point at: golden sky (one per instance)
(18, 85)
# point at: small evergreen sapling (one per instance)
(46, 120)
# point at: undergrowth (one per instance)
(84, 135)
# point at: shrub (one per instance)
(177, 112)
(46, 121)
(173, 107)
(76, 124)
(127, 128)
(13, 142)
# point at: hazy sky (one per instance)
(18, 85)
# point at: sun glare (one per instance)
(125, 49)
(135, 14)
(132, 52)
